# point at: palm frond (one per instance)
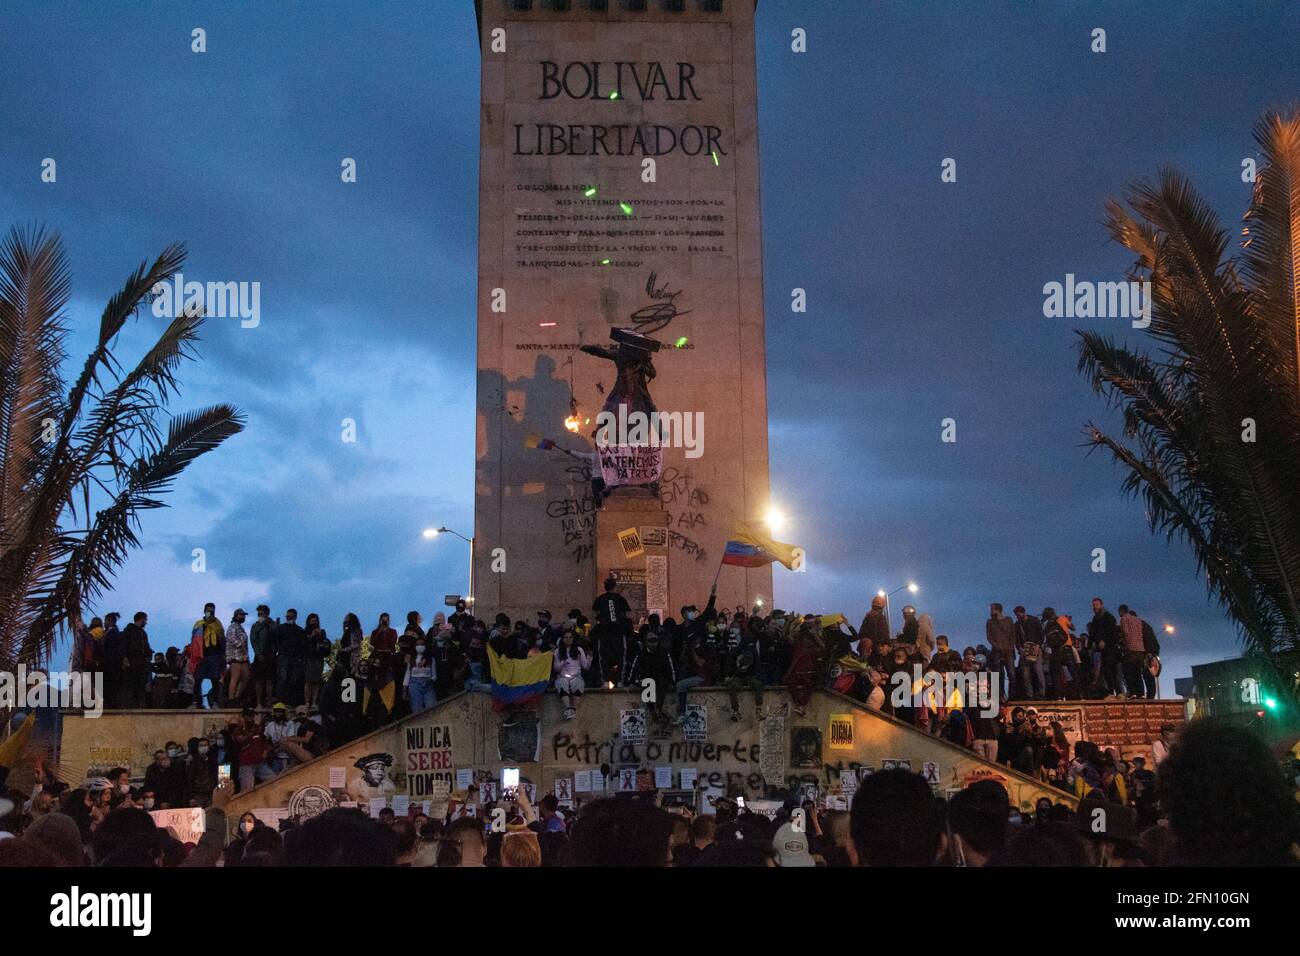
(56, 454)
(1229, 335)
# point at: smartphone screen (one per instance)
(510, 777)
(223, 773)
(740, 802)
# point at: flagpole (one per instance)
(713, 590)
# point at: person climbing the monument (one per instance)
(570, 661)
(613, 617)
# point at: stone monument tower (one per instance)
(618, 197)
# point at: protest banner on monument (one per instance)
(630, 464)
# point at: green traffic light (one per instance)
(1270, 703)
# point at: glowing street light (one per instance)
(1169, 629)
(775, 519)
(430, 533)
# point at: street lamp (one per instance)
(910, 586)
(775, 519)
(431, 533)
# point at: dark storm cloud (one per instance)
(924, 298)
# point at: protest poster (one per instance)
(188, 822)
(663, 778)
(632, 726)
(695, 723)
(630, 539)
(840, 733)
(630, 464)
(428, 758)
(771, 749)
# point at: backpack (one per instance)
(1030, 651)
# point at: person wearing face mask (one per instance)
(236, 656)
(260, 637)
(148, 799)
(476, 663)
(136, 657)
(568, 666)
(208, 638)
(277, 729)
(446, 661)
(418, 680)
(653, 659)
(318, 652)
(200, 772)
(742, 670)
(610, 637)
(119, 779)
(248, 741)
(291, 659)
(350, 640)
(234, 852)
(462, 619)
(158, 779)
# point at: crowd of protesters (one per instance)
(279, 660)
(290, 678)
(1222, 799)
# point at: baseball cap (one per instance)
(791, 847)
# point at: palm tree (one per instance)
(1211, 436)
(98, 440)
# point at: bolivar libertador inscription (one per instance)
(648, 82)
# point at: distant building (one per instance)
(1244, 687)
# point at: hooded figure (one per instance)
(874, 624)
(925, 636)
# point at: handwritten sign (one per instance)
(630, 464)
(187, 822)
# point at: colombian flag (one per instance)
(750, 548)
(518, 683)
(537, 441)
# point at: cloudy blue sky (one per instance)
(925, 298)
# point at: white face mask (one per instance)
(124, 788)
(148, 803)
(419, 648)
(246, 827)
